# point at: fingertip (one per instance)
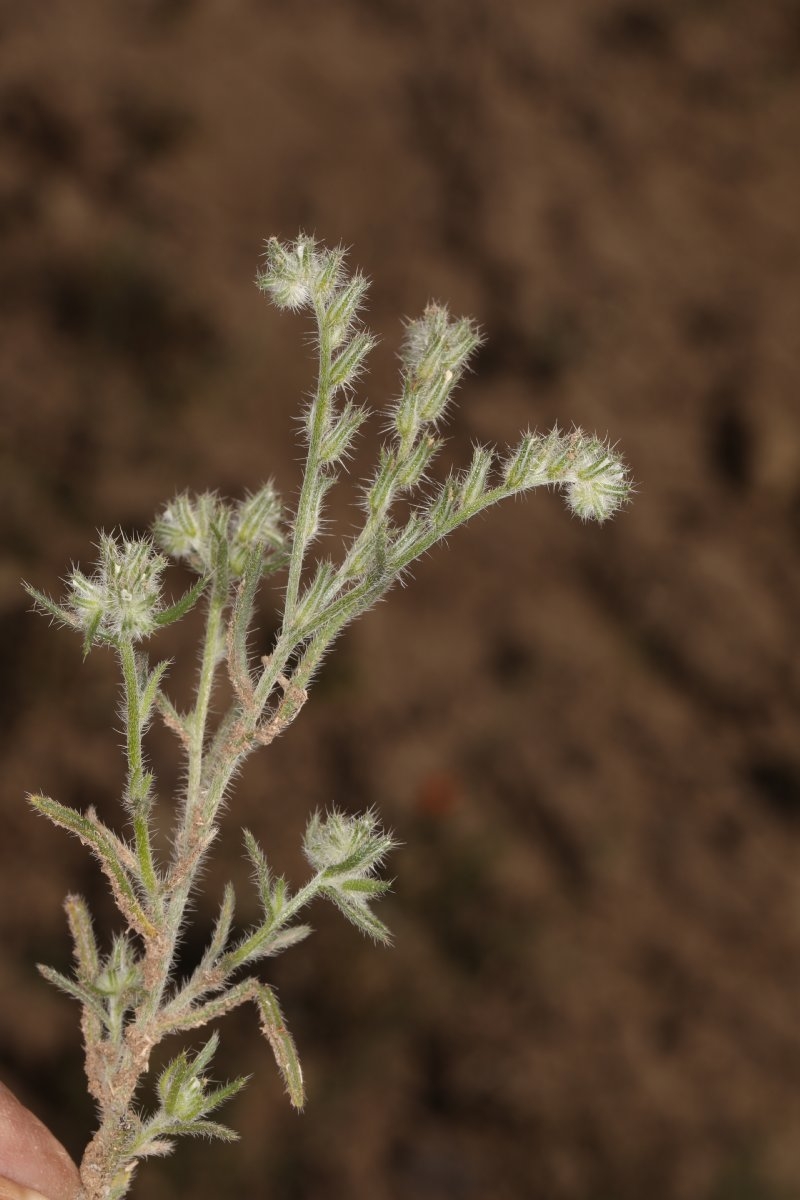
(33, 1164)
(14, 1191)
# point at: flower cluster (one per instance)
(206, 531)
(123, 597)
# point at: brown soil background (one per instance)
(586, 737)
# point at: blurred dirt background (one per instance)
(586, 737)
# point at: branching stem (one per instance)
(129, 997)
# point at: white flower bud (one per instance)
(123, 599)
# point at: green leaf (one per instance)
(278, 898)
(241, 616)
(384, 485)
(76, 990)
(205, 1054)
(92, 630)
(260, 866)
(343, 309)
(49, 607)
(171, 1081)
(444, 504)
(218, 1096)
(108, 849)
(200, 1014)
(370, 889)
(347, 365)
(210, 1129)
(87, 955)
(411, 470)
(181, 607)
(336, 441)
(316, 596)
(473, 484)
(222, 927)
(151, 689)
(285, 938)
(360, 915)
(282, 1044)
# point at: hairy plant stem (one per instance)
(138, 786)
(318, 422)
(209, 773)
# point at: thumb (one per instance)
(33, 1165)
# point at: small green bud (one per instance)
(406, 415)
(120, 974)
(343, 309)
(445, 504)
(473, 485)
(349, 362)
(326, 271)
(317, 595)
(411, 470)
(598, 481)
(289, 272)
(336, 441)
(191, 527)
(435, 344)
(435, 354)
(256, 522)
(308, 523)
(348, 851)
(340, 844)
(406, 540)
(384, 485)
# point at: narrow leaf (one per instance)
(75, 990)
(368, 888)
(317, 595)
(211, 1009)
(158, 1148)
(285, 938)
(218, 1096)
(361, 916)
(209, 1129)
(186, 603)
(50, 608)
(109, 851)
(222, 927)
(473, 484)
(260, 866)
(172, 718)
(241, 616)
(87, 956)
(336, 441)
(282, 1044)
(151, 689)
(349, 362)
(171, 1081)
(205, 1054)
(91, 631)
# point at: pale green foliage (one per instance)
(130, 996)
(347, 852)
(199, 529)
